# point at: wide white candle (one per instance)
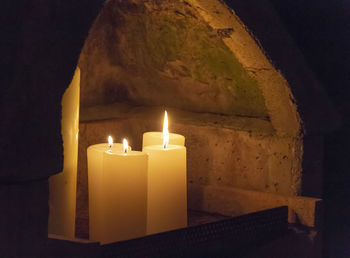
(156, 138)
(124, 196)
(95, 173)
(167, 191)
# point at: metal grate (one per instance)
(226, 236)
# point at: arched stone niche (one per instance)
(166, 55)
(196, 59)
(192, 55)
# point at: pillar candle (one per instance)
(62, 201)
(124, 196)
(167, 191)
(117, 192)
(95, 172)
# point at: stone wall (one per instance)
(165, 54)
(196, 56)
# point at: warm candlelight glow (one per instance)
(117, 179)
(125, 145)
(165, 131)
(110, 141)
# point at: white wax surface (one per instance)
(167, 190)
(62, 201)
(124, 196)
(156, 138)
(95, 166)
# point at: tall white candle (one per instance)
(124, 195)
(62, 201)
(167, 190)
(95, 174)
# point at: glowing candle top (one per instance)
(163, 138)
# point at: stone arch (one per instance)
(137, 47)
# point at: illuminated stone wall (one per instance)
(197, 59)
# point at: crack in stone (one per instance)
(225, 33)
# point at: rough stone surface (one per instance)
(279, 100)
(232, 201)
(164, 53)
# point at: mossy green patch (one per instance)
(156, 39)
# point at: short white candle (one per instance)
(95, 167)
(124, 195)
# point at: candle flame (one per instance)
(125, 145)
(110, 141)
(165, 131)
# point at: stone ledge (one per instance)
(120, 111)
(58, 246)
(232, 201)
